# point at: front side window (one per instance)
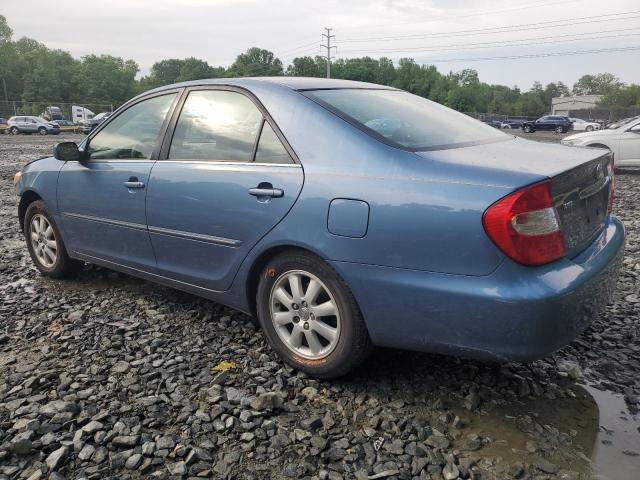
(217, 125)
(405, 120)
(134, 133)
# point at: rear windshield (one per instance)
(404, 120)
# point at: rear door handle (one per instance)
(134, 183)
(266, 192)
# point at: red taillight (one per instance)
(612, 185)
(525, 225)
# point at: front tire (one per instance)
(44, 243)
(310, 317)
(527, 129)
(589, 128)
(42, 131)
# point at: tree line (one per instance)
(32, 72)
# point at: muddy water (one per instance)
(583, 435)
(616, 453)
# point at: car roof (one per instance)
(293, 83)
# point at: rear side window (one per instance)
(216, 125)
(405, 120)
(133, 134)
(270, 149)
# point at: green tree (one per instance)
(50, 76)
(5, 30)
(555, 89)
(624, 97)
(418, 79)
(307, 67)
(166, 72)
(106, 79)
(256, 62)
(465, 94)
(599, 84)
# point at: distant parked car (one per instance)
(300, 201)
(52, 113)
(615, 125)
(584, 126)
(514, 123)
(496, 124)
(92, 123)
(623, 141)
(28, 125)
(3, 125)
(549, 123)
(67, 126)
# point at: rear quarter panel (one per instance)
(425, 214)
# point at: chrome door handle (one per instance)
(266, 192)
(134, 184)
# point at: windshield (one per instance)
(405, 120)
(623, 123)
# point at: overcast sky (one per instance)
(217, 30)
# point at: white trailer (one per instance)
(81, 115)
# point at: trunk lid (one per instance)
(580, 177)
(581, 196)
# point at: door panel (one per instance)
(203, 220)
(101, 216)
(102, 198)
(629, 148)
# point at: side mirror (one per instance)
(67, 152)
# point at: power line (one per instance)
(303, 53)
(516, 57)
(508, 43)
(491, 30)
(328, 46)
(478, 13)
(448, 16)
(284, 52)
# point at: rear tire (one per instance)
(14, 131)
(310, 317)
(45, 244)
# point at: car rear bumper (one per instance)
(517, 313)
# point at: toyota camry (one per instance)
(341, 215)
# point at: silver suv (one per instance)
(25, 124)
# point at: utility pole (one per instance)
(328, 46)
(4, 84)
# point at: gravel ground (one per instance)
(107, 376)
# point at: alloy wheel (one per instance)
(305, 314)
(43, 241)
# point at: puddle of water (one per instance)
(584, 433)
(618, 431)
(562, 430)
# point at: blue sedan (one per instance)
(341, 214)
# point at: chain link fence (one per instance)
(604, 116)
(11, 108)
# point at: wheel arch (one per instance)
(260, 261)
(598, 145)
(26, 199)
